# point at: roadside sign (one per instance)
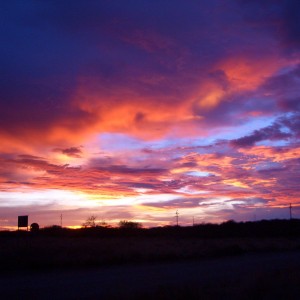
(22, 221)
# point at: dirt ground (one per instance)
(248, 276)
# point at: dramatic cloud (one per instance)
(138, 109)
(272, 132)
(72, 151)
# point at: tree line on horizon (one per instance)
(231, 228)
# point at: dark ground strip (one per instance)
(266, 276)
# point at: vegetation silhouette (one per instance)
(57, 247)
(34, 227)
(129, 225)
(90, 222)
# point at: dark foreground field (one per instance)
(250, 276)
(230, 262)
(46, 253)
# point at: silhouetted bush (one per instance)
(129, 224)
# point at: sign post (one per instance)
(22, 222)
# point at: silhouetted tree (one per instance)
(90, 222)
(103, 224)
(129, 224)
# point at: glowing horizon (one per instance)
(132, 112)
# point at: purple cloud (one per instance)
(72, 151)
(271, 133)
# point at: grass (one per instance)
(40, 252)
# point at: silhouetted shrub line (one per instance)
(264, 228)
(56, 247)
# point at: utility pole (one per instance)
(61, 220)
(193, 221)
(177, 217)
(290, 211)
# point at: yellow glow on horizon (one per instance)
(74, 226)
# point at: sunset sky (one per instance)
(131, 110)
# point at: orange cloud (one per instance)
(272, 153)
(128, 111)
(247, 74)
(207, 160)
(234, 75)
